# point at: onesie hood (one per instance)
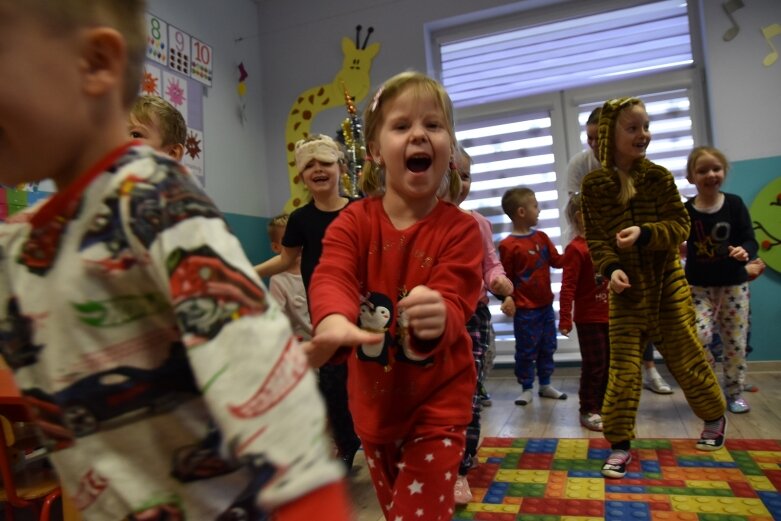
(607, 127)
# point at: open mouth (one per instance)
(320, 179)
(418, 163)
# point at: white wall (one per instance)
(745, 96)
(235, 152)
(301, 48)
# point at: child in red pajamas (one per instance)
(396, 281)
(580, 285)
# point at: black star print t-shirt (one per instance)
(707, 250)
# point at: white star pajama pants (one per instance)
(725, 309)
(414, 477)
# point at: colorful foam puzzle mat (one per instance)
(555, 479)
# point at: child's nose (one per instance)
(419, 132)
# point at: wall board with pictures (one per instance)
(178, 67)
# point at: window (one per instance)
(521, 132)
(566, 53)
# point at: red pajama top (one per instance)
(367, 266)
(527, 260)
(578, 285)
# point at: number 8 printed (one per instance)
(156, 29)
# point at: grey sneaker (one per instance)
(738, 405)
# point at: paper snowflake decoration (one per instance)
(175, 92)
(149, 83)
(193, 146)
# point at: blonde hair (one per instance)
(698, 152)
(125, 16)
(574, 205)
(463, 155)
(275, 224)
(513, 199)
(173, 129)
(608, 120)
(373, 175)
(450, 186)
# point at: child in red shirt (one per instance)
(527, 255)
(395, 281)
(581, 284)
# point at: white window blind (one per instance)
(508, 151)
(514, 145)
(567, 53)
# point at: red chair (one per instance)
(24, 487)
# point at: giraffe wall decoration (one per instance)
(352, 77)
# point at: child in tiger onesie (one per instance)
(635, 222)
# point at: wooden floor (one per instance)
(659, 416)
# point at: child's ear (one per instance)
(104, 56)
(175, 151)
(374, 150)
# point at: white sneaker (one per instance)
(658, 385)
(592, 421)
(524, 398)
(461, 492)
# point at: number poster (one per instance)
(178, 67)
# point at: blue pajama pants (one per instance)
(535, 343)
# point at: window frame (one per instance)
(563, 105)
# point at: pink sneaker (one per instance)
(615, 466)
(461, 492)
(713, 435)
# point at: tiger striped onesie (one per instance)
(658, 305)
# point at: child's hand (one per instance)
(425, 312)
(619, 281)
(333, 332)
(501, 285)
(755, 268)
(627, 237)
(738, 253)
(564, 331)
(508, 307)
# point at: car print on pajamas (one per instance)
(112, 393)
(208, 293)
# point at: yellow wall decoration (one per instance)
(354, 77)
